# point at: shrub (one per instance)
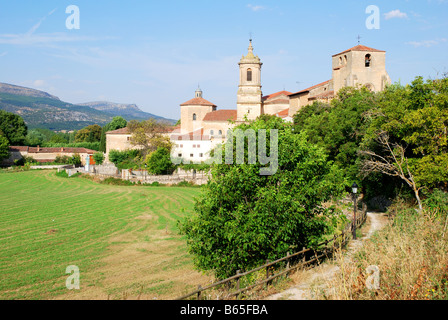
(159, 162)
(98, 157)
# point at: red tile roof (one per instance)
(311, 88)
(283, 113)
(119, 131)
(273, 95)
(51, 150)
(277, 101)
(198, 102)
(323, 95)
(221, 115)
(359, 47)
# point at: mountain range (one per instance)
(40, 109)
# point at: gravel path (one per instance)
(318, 276)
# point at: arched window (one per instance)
(194, 116)
(249, 74)
(368, 59)
(340, 61)
(345, 59)
(220, 132)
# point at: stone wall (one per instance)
(109, 170)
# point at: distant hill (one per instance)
(40, 109)
(127, 111)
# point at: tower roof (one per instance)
(250, 57)
(198, 102)
(359, 47)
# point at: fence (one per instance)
(302, 259)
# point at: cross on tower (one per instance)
(359, 39)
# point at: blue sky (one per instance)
(155, 53)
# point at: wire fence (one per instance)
(233, 287)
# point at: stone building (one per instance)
(204, 125)
(359, 65)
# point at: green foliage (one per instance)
(159, 162)
(116, 123)
(4, 147)
(415, 117)
(98, 157)
(127, 159)
(75, 159)
(90, 133)
(244, 218)
(13, 128)
(437, 200)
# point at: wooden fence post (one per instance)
(199, 292)
(267, 273)
(237, 284)
(287, 261)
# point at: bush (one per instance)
(127, 159)
(159, 162)
(98, 157)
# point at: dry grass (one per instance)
(411, 254)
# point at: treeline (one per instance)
(390, 142)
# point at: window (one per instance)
(340, 61)
(368, 59)
(194, 146)
(220, 132)
(191, 155)
(201, 155)
(249, 75)
(212, 132)
(129, 138)
(198, 146)
(194, 116)
(345, 59)
(181, 145)
(179, 155)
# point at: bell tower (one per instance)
(249, 91)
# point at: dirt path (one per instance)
(317, 277)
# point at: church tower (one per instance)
(249, 91)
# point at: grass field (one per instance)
(123, 239)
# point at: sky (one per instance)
(156, 53)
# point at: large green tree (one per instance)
(4, 147)
(117, 122)
(243, 218)
(407, 138)
(13, 128)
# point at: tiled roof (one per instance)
(277, 101)
(311, 88)
(51, 150)
(195, 135)
(359, 47)
(221, 115)
(273, 95)
(198, 102)
(126, 130)
(323, 95)
(119, 131)
(283, 113)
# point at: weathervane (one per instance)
(359, 39)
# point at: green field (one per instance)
(123, 239)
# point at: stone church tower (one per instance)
(360, 65)
(249, 102)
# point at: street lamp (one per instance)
(355, 191)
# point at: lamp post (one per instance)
(355, 191)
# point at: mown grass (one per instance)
(49, 222)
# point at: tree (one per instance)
(159, 162)
(339, 127)
(13, 128)
(4, 148)
(98, 157)
(117, 122)
(408, 135)
(149, 135)
(243, 218)
(90, 133)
